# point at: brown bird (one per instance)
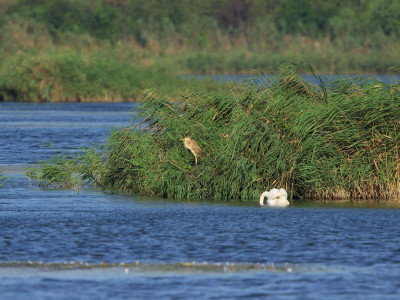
(192, 145)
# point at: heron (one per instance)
(192, 145)
(275, 197)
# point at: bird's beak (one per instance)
(181, 139)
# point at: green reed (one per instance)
(324, 142)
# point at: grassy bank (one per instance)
(331, 142)
(69, 75)
(116, 73)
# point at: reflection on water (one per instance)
(57, 244)
(138, 267)
(374, 204)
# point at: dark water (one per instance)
(57, 244)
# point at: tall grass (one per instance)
(324, 142)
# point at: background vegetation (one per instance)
(54, 49)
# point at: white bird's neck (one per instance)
(262, 197)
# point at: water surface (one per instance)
(57, 244)
(327, 79)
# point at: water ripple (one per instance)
(230, 267)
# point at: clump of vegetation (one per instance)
(325, 142)
(68, 172)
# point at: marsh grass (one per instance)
(322, 142)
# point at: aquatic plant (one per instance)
(316, 141)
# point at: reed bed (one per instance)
(330, 142)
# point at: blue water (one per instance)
(57, 244)
(327, 79)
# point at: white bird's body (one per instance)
(275, 197)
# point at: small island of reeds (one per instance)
(339, 140)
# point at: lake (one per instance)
(57, 244)
(327, 79)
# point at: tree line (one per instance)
(130, 19)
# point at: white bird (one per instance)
(275, 197)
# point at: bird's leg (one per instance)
(195, 159)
